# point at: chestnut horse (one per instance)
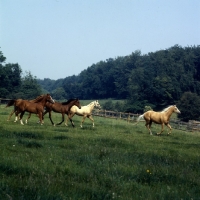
(16, 102)
(62, 108)
(85, 111)
(37, 107)
(159, 118)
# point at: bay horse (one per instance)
(36, 107)
(162, 118)
(62, 108)
(85, 111)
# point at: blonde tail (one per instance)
(138, 119)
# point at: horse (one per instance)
(162, 118)
(16, 102)
(36, 107)
(62, 108)
(85, 111)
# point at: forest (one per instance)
(156, 79)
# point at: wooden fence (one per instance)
(4, 101)
(192, 125)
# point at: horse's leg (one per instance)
(83, 119)
(148, 125)
(69, 116)
(10, 115)
(43, 114)
(49, 117)
(162, 128)
(40, 115)
(90, 117)
(21, 116)
(63, 118)
(72, 122)
(28, 118)
(170, 128)
(16, 115)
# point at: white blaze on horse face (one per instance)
(52, 100)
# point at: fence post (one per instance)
(128, 119)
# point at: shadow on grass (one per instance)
(29, 144)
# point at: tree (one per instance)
(30, 88)
(10, 76)
(189, 105)
(58, 93)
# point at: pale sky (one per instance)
(60, 38)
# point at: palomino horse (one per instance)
(62, 108)
(85, 111)
(16, 102)
(159, 118)
(37, 107)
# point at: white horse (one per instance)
(85, 111)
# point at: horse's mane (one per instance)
(70, 100)
(37, 98)
(90, 103)
(166, 109)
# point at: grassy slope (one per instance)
(114, 160)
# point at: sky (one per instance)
(60, 38)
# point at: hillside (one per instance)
(157, 78)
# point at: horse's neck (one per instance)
(72, 103)
(41, 101)
(169, 112)
(91, 106)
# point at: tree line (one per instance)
(14, 84)
(156, 79)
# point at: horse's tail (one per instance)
(10, 103)
(138, 119)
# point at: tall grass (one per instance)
(113, 160)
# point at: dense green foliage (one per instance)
(189, 105)
(114, 160)
(155, 79)
(14, 85)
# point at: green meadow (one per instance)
(113, 160)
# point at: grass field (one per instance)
(113, 160)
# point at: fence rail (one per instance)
(192, 125)
(4, 101)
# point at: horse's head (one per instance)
(97, 105)
(176, 110)
(49, 98)
(77, 103)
